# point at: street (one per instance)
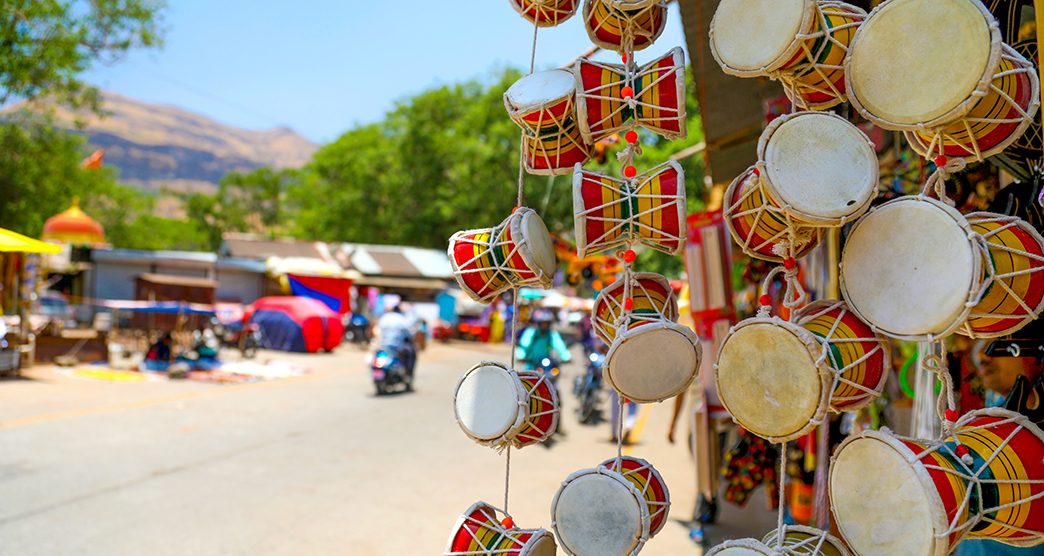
(311, 465)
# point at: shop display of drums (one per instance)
(612, 213)
(760, 227)
(545, 13)
(797, 540)
(893, 495)
(622, 25)
(488, 262)
(498, 407)
(479, 532)
(779, 378)
(543, 104)
(938, 71)
(801, 42)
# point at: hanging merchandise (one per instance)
(763, 229)
(497, 406)
(545, 13)
(793, 540)
(543, 104)
(479, 532)
(624, 25)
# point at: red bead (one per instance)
(789, 264)
(623, 56)
(630, 171)
(940, 161)
(629, 256)
(627, 92)
(766, 300)
(628, 304)
(962, 450)
(951, 415)
(626, 401)
(515, 209)
(757, 172)
(508, 523)
(631, 136)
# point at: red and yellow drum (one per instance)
(759, 225)
(542, 411)
(545, 13)
(1014, 284)
(652, 300)
(480, 533)
(543, 105)
(984, 482)
(622, 25)
(612, 213)
(498, 407)
(489, 261)
(658, 97)
(648, 481)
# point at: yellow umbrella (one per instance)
(11, 242)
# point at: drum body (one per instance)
(648, 481)
(1014, 286)
(652, 298)
(818, 167)
(545, 13)
(659, 96)
(893, 495)
(609, 23)
(806, 541)
(801, 42)
(498, 407)
(937, 70)
(599, 511)
(911, 269)
(741, 547)
(480, 533)
(489, 261)
(611, 213)
(543, 105)
(759, 225)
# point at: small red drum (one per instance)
(893, 495)
(648, 481)
(498, 407)
(802, 43)
(937, 70)
(545, 13)
(657, 103)
(1014, 285)
(480, 533)
(543, 105)
(490, 261)
(612, 213)
(762, 228)
(652, 300)
(622, 25)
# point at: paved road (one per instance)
(305, 466)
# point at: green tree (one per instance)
(244, 202)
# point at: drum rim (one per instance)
(586, 13)
(517, 109)
(1026, 227)
(976, 275)
(463, 517)
(517, 4)
(957, 112)
(727, 214)
(521, 217)
(807, 218)
(937, 510)
(455, 268)
(642, 534)
(655, 474)
(834, 541)
(520, 416)
(749, 544)
(670, 309)
(807, 21)
(825, 376)
(621, 338)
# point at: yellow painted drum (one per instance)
(543, 104)
(622, 25)
(545, 13)
(759, 225)
(479, 532)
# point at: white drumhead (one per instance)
(653, 362)
(540, 88)
(907, 268)
(749, 35)
(544, 546)
(597, 515)
(768, 380)
(538, 241)
(487, 402)
(881, 506)
(916, 60)
(821, 165)
(741, 547)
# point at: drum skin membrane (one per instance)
(596, 516)
(775, 23)
(487, 402)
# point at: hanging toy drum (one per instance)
(821, 169)
(937, 70)
(490, 261)
(612, 213)
(622, 25)
(657, 97)
(779, 378)
(648, 481)
(762, 228)
(480, 533)
(894, 495)
(741, 547)
(651, 357)
(912, 268)
(1014, 285)
(543, 105)
(545, 13)
(802, 43)
(498, 407)
(799, 540)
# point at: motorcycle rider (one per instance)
(539, 340)
(395, 331)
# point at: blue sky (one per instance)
(324, 66)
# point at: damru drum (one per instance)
(543, 104)
(761, 228)
(498, 407)
(797, 540)
(545, 13)
(479, 532)
(622, 25)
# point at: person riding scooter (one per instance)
(539, 340)
(396, 331)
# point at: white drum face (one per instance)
(487, 402)
(752, 34)
(597, 515)
(538, 242)
(652, 363)
(540, 88)
(544, 547)
(908, 268)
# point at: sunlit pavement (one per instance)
(309, 465)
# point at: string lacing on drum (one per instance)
(496, 246)
(547, 11)
(504, 531)
(936, 183)
(792, 238)
(838, 371)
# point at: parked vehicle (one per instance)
(388, 369)
(357, 330)
(245, 338)
(588, 388)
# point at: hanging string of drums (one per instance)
(616, 506)
(913, 268)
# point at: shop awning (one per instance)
(12, 242)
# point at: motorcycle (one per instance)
(388, 369)
(588, 387)
(357, 330)
(246, 338)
